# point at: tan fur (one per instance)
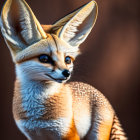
(47, 28)
(86, 96)
(72, 134)
(18, 110)
(58, 105)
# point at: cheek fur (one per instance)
(32, 70)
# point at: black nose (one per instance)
(66, 73)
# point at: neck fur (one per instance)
(34, 95)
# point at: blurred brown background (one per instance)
(110, 60)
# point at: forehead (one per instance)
(60, 45)
(51, 46)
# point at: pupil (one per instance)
(43, 58)
(68, 60)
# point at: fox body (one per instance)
(44, 105)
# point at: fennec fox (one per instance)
(44, 106)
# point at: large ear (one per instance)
(19, 25)
(75, 27)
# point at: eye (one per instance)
(45, 59)
(67, 60)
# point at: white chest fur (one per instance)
(44, 129)
(34, 96)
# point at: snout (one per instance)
(59, 75)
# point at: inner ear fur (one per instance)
(19, 25)
(75, 27)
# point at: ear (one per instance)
(19, 25)
(75, 27)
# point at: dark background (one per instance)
(110, 60)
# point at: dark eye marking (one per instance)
(45, 59)
(68, 60)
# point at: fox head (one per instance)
(45, 52)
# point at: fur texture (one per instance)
(44, 106)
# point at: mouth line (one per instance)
(55, 79)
